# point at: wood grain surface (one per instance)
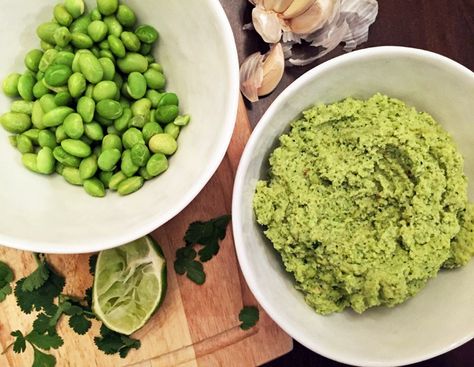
(196, 325)
(442, 26)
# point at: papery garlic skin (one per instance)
(261, 74)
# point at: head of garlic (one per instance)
(321, 24)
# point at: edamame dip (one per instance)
(366, 201)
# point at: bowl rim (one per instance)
(247, 157)
(154, 222)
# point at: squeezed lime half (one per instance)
(129, 285)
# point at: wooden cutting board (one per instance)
(196, 325)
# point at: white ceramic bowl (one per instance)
(440, 317)
(197, 51)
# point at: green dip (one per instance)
(365, 202)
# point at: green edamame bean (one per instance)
(107, 54)
(112, 141)
(133, 62)
(32, 59)
(39, 89)
(172, 129)
(112, 130)
(140, 154)
(166, 114)
(10, 85)
(29, 161)
(75, 7)
(88, 167)
(157, 164)
(146, 34)
(94, 131)
(142, 108)
(45, 46)
(152, 115)
(182, 120)
(81, 40)
(89, 91)
(97, 30)
(157, 67)
(72, 175)
(94, 187)
(63, 99)
(57, 75)
(127, 166)
(136, 85)
(77, 148)
(130, 185)
(77, 85)
(150, 129)
(62, 36)
(144, 173)
(48, 59)
(86, 108)
(155, 79)
(95, 14)
(137, 121)
(168, 99)
(108, 159)
(64, 58)
(91, 68)
(24, 144)
(109, 68)
(45, 162)
(116, 179)
(22, 107)
(131, 137)
(59, 168)
(46, 138)
(47, 103)
(116, 46)
(37, 115)
(60, 134)
(74, 126)
(80, 24)
(126, 16)
(65, 158)
(33, 135)
(163, 143)
(109, 109)
(145, 50)
(104, 90)
(130, 41)
(56, 116)
(154, 97)
(103, 121)
(105, 177)
(115, 28)
(107, 7)
(15, 123)
(46, 32)
(62, 16)
(25, 86)
(122, 122)
(76, 68)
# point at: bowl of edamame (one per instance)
(114, 115)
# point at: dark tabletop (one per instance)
(442, 26)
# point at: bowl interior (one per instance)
(197, 51)
(440, 317)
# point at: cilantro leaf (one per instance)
(42, 359)
(42, 324)
(80, 324)
(92, 264)
(37, 278)
(111, 342)
(19, 345)
(249, 316)
(45, 341)
(209, 251)
(195, 272)
(41, 298)
(185, 264)
(6, 277)
(88, 298)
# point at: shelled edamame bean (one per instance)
(91, 104)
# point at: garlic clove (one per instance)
(260, 74)
(278, 6)
(273, 68)
(267, 24)
(296, 8)
(313, 18)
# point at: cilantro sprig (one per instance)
(248, 316)
(204, 234)
(6, 277)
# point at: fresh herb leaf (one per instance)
(185, 264)
(80, 324)
(37, 278)
(43, 323)
(88, 298)
(6, 277)
(19, 345)
(42, 359)
(111, 342)
(92, 264)
(249, 316)
(195, 272)
(45, 341)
